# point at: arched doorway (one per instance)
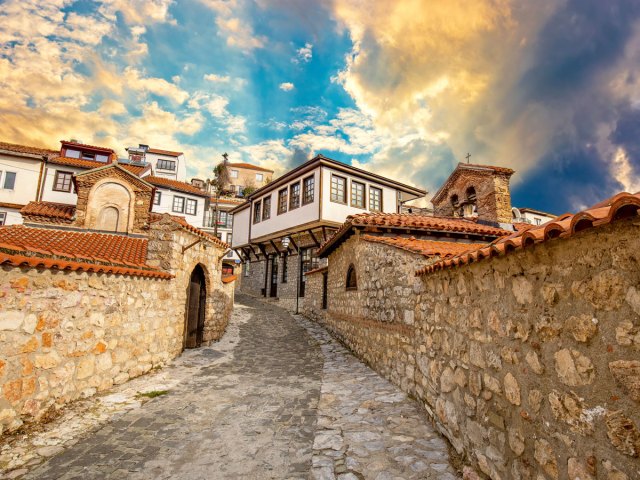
(196, 308)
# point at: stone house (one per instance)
(523, 349)
(101, 292)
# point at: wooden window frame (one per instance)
(173, 204)
(257, 212)
(364, 195)
(344, 190)
(283, 200)
(266, 212)
(157, 197)
(371, 190)
(308, 193)
(191, 201)
(292, 197)
(164, 160)
(3, 218)
(285, 268)
(55, 181)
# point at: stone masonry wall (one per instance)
(529, 363)
(66, 335)
(312, 305)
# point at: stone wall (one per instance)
(528, 363)
(312, 303)
(68, 334)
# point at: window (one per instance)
(247, 269)
(157, 197)
(166, 164)
(294, 200)
(352, 282)
(233, 173)
(471, 194)
(102, 158)
(338, 189)
(72, 153)
(282, 201)
(88, 156)
(222, 218)
(266, 208)
(308, 187)
(3, 218)
(357, 194)
(256, 212)
(62, 181)
(178, 204)
(229, 238)
(259, 177)
(192, 207)
(538, 221)
(375, 199)
(308, 261)
(9, 180)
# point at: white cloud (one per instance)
(234, 25)
(158, 86)
(212, 77)
(303, 54)
(271, 154)
(287, 86)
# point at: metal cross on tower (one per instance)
(468, 157)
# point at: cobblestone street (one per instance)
(276, 398)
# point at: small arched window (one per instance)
(454, 200)
(352, 281)
(471, 194)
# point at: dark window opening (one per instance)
(352, 281)
(294, 196)
(282, 201)
(308, 187)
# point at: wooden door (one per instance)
(196, 305)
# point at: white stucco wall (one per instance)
(27, 171)
(241, 227)
(166, 203)
(49, 195)
(180, 172)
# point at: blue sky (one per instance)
(406, 89)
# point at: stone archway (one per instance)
(196, 308)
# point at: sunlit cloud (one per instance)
(287, 86)
(303, 54)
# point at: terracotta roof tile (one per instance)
(470, 166)
(86, 145)
(76, 162)
(228, 201)
(64, 249)
(410, 221)
(622, 205)
(175, 185)
(249, 166)
(229, 278)
(135, 169)
(13, 147)
(157, 151)
(156, 217)
(58, 212)
(427, 248)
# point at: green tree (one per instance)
(217, 185)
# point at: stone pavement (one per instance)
(276, 398)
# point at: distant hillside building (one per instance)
(246, 175)
(165, 163)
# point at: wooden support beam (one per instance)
(263, 251)
(254, 252)
(324, 234)
(294, 244)
(315, 240)
(238, 253)
(274, 247)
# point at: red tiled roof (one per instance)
(77, 162)
(410, 221)
(471, 166)
(58, 212)
(135, 169)
(157, 151)
(229, 201)
(13, 147)
(428, 248)
(175, 185)
(156, 217)
(317, 270)
(229, 278)
(87, 146)
(620, 206)
(16, 206)
(65, 249)
(249, 166)
(521, 226)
